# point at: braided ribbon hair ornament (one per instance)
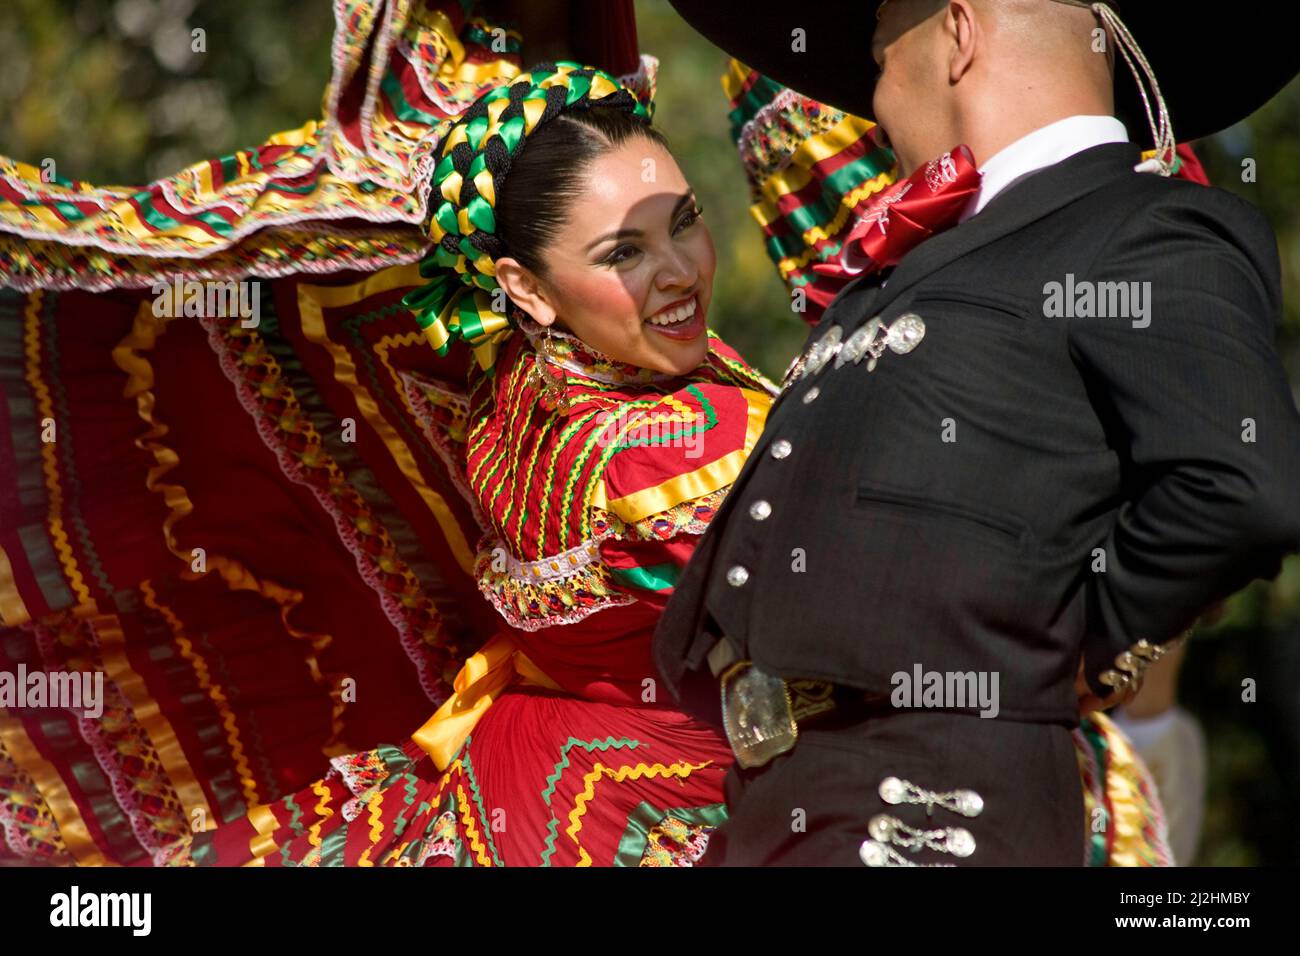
(462, 299)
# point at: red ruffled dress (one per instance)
(333, 562)
(557, 749)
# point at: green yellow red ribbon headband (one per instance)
(461, 299)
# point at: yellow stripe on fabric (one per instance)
(49, 451)
(12, 609)
(808, 154)
(694, 484)
(846, 205)
(148, 235)
(493, 71)
(471, 831)
(218, 697)
(202, 172)
(733, 81)
(321, 809)
(679, 769)
(72, 827)
(148, 713)
(440, 23)
(394, 856)
(49, 219)
(815, 234)
(1132, 812)
(383, 347)
(312, 301)
(306, 133)
(262, 844)
(376, 827)
(234, 575)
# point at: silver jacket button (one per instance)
(968, 803)
(781, 448)
(881, 827)
(810, 396)
(737, 575)
(905, 333)
(759, 510)
(873, 854)
(960, 842)
(892, 790)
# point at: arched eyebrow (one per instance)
(682, 200)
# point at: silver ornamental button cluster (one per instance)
(889, 834)
(869, 341)
(955, 840)
(966, 802)
(822, 351)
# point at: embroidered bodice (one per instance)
(589, 503)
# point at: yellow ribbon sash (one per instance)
(498, 665)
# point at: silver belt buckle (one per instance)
(756, 714)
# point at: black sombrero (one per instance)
(1215, 65)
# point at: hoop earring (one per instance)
(548, 378)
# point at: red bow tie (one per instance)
(908, 212)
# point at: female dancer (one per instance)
(606, 425)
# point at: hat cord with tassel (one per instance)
(1162, 131)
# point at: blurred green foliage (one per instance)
(114, 92)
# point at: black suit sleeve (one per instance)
(1206, 509)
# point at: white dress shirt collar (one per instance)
(1045, 146)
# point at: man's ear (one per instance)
(960, 25)
(525, 290)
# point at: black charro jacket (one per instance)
(946, 509)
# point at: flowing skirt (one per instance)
(542, 781)
(548, 779)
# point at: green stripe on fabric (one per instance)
(658, 577)
(632, 845)
(761, 92)
(152, 216)
(710, 420)
(28, 467)
(69, 211)
(484, 823)
(402, 109)
(563, 764)
(1097, 841)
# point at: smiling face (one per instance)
(630, 270)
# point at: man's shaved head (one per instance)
(985, 72)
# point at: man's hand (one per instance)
(1090, 702)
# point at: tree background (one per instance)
(112, 92)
